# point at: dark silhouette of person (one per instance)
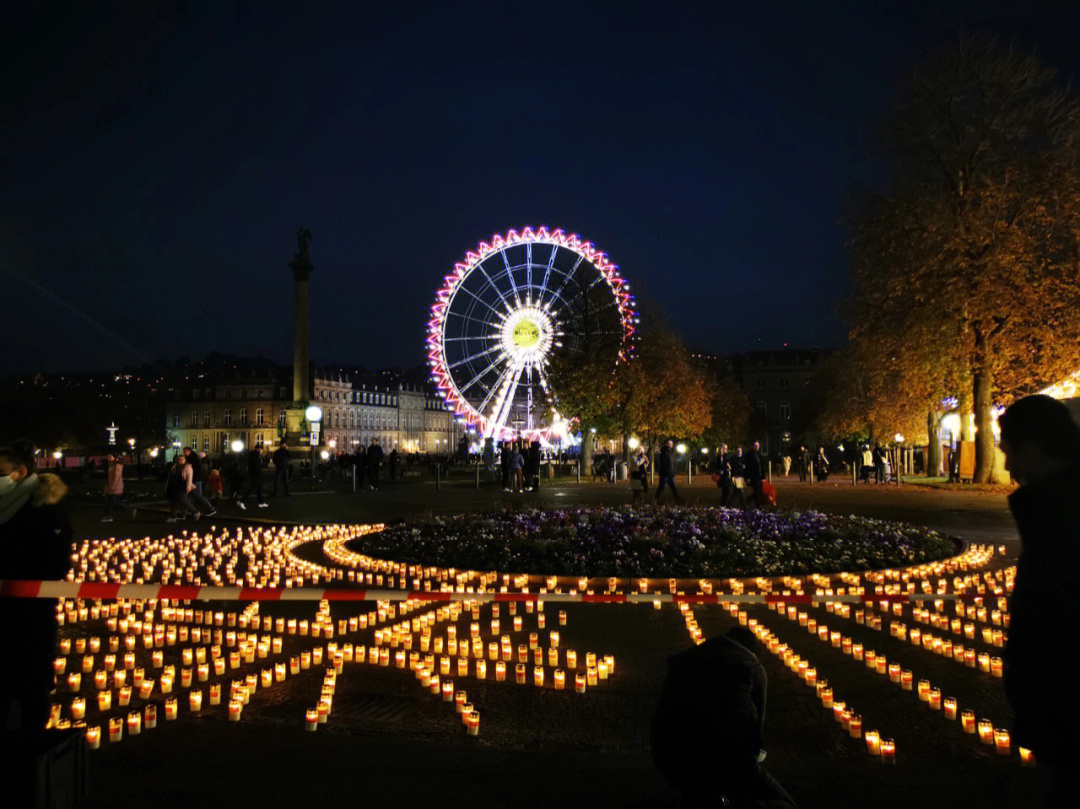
(665, 472)
(281, 469)
(35, 544)
(707, 734)
(1041, 443)
(756, 470)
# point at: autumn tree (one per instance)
(731, 411)
(969, 268)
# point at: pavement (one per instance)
(388, 743)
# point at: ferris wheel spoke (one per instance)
(547, 271)
(477, 337)
(493, 392)
(504, 402)
(528, 266)
(568, 275)
(510, 276)
(477, 378)
(502, 298)
(486, 324)
(474, 357)
(480, 300)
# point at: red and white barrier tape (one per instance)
(179, 592)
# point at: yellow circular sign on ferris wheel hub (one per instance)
(526, 334)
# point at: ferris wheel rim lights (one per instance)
(533, 339)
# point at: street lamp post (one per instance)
(314, 416)
(681, 449)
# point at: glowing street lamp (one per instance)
(237, 446)
(633, 443)
(681, 449)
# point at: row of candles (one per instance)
(987, 733)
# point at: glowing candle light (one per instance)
(579, 683)
(215, 694)
(500, 671)
(894, 672)
(170, 709)
(888, 751)
(104, 700)
(87, 664)
(986, 731)
(538, 676)
(124, 696)
(1002, 742)
(873, 743)
(311, 722)
(827, 697)
(473, 723)
(520, 673)
(997, 666)
(855, 726)
(116, 729)
(235, 707)
(195, 700)
(924, 690)
(481, 669)
(560, 679)
(78, 708)
(93, 737)
(1027, 758)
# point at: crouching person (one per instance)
(707, 733)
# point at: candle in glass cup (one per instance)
(311, 722)
(473, 723)
(906, 679)
(235, 707)
(215, 694)
(827, 697)
(579, 683)
(116, 729)
(873, 743)
(1027, 758)
(924, 690)
(93, 737)
(986, 731)
(855, 726)
(78, 708)
(134, 723)
(150, 716)
(934, 699)
(170, 709)
(888, 751)
(104, 700)
(1001, 741)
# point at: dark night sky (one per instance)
(157, 159)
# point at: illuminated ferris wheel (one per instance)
(507, 308)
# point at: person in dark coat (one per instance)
(374, 462)
(199, 471)
(665, 471)
(505, 456)
(1041, 443)
(392, 464)
(360, 466)
(755, 469)
(532, 467)
(707, 735)
(281, 469)
(804, 463)
(721, 468)
(254, 481)
(954, 463)
(35, 544)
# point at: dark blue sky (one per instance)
(157, 159)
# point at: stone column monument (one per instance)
(294, 417)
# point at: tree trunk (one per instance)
(963, 410)
(933, 448)
(982, 378)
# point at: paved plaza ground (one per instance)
(388, 743)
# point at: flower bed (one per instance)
(678, 542)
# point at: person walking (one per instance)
(176, 489)
(785, 462)
(804, 463)
(489, 459)
(954, 463)
(639, 475)
(392, 464)
(517, 464)
(35, 545)
(821, 465)
(196, 500)
(505, 455)
(1041, 443)
(532, 467)
(665, 471)
(374, 463)
(879, 464)
(254, 479)
(114, 488)
(360, 466)
(215, 486)
(707, 735)
(722, 475)
(281, 459)
(755, 471)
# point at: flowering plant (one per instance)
(678, 542)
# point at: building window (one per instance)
(206, 442)
(281, 392)
(206, 418)
(194, 443)
(785, 411)
(243, 393)
(176, 420)
(259, 440)
(194, 418)
(226, 418)
(281, 418)
(259, 415)
(243, 417)
(259, 395)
